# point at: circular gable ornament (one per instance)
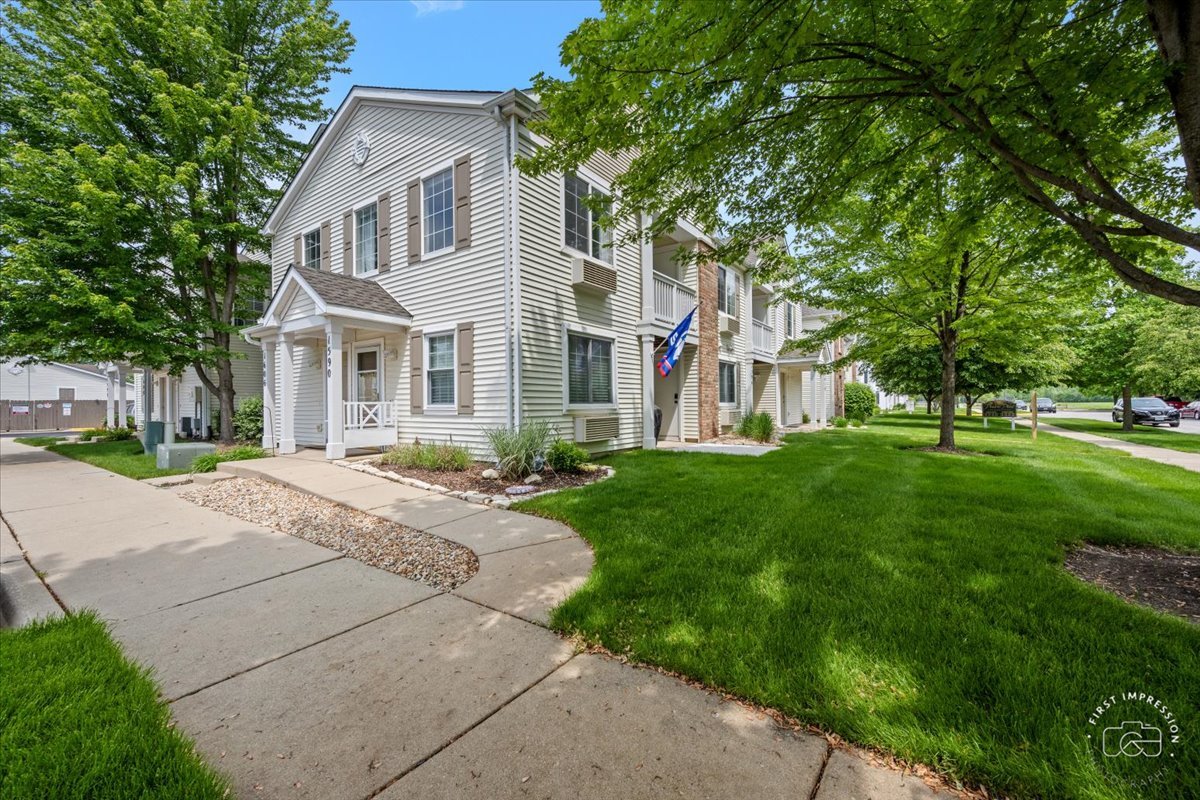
(361, 148)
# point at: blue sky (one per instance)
(455, 44)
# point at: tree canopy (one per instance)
(143, 144)
(751, 116)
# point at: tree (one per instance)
(143, 145)
(1166, 351)
(753, 115)
(901, 367)
(1103, 345)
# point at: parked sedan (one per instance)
(1046, 406)
(1021, 405)
(1192, 410)
(1148, 411)
(1175, 402)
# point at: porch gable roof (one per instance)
(333, 295)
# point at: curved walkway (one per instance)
(1163, 455)
(302, 673)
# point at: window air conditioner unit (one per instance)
(596, 429)
(592, 276)
(727, 324)
(730, 417)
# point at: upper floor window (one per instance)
(439, 211)
(581, 223)
(589, 370)
(727, 373)
(366, 239)
(312, 249)
(439, 369)
(789, 313)
(727, 286)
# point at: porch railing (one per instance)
(378, 414)
(672, 300)
(762, 338)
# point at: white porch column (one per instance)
(813, 396)
(287, 394)
(648, 440)
(122, 400)
(170, 405)
(778, 394)
(335, 442)
(270, 418)
(110, 411)
(647, 260)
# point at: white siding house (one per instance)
(186, 402)
(52, 380)
(424, 287)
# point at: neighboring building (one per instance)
(54, 395)
(425, 287)
(52, 380)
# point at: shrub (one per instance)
(248, 420)
(859, 401)
(208, 462)
(856, 423)
(840, 422)
(805, 418)
(759, 427)
(519, 451)
(447, 457)
(130, 422)
(564, 456)
(105, 435)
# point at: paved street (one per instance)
(301, 673)
(1191, 426)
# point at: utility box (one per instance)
(152, 437)
(180, 455)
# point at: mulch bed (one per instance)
(472, 480)
(1160, 579)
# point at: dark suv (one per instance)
(1148, 411)
(1046, 406)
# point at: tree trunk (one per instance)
(970, 401)
(1176, 27)
(1127, 404)
(949, 347)
(839, 384)
(928, 403)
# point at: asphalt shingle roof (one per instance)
(343, 290)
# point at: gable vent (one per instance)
(591, 276)
(596, 429)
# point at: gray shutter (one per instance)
(416, 372)
(462, 202)
(385, 231)
(326, 245)
(298, 251)
(466, 368)
(412, 207)
(348, 243)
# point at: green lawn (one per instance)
(908, 600)
(79, 720)
(38, 441)
(1091, 405)
(1141, 434)
(124, 458)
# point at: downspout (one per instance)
(515, 227)
(508, 353)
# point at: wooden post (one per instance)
(1033, 414)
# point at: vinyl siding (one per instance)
(765, 390)
(465, 285)
(549, 302)
(42, 381)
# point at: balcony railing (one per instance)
(363, 416)
(672, 300)
(762, 338)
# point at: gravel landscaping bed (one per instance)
(472, 480)
(414, 554)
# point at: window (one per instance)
(366, 367)
(312, 249)
(727, 285)
(727, 372)
(439, 211)
(439, 369)
(787, 319)
(366, 241)
(589, 370)
(582, 229)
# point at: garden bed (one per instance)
(472, 480)
(413, 554)
(1148, 576)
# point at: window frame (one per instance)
(789, 322)
(736, 383)
(595, 186)
(589, 332)
(447, 166)
(730, 274)
(354, 273)
(427, 372)
(304, 248)
(364, 346)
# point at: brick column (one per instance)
(706, 318)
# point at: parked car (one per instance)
(1148, 411)
(1021, 405)
(1046, 406)
(1192, 410)
(1175, 402)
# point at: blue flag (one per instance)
(675, 344)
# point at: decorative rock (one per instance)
(520, 490)
(533, 480)
(490, 474)
(476, 497)
(440, 489)
(500, 501)
(419, 484)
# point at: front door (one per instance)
(793, 398)
(366, 375)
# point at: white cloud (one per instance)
(436, 6)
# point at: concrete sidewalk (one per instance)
(301, 673)
(1163, 455)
